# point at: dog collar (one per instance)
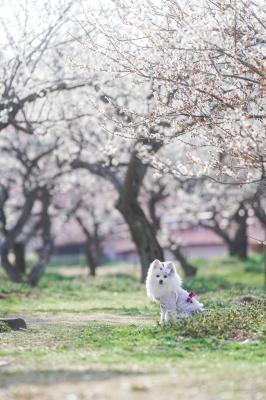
(190, 297)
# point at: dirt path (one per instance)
(81, 319)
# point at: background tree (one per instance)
(224, 210)
(117, 161)
(90, 203)
(30, 170)
(166, 211)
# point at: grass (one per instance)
(249, 273)
(84, 331)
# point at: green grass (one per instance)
(107, 329)
(235, 272)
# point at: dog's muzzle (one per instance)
(160, 281)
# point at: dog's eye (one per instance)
(157, 276)
(165, 276)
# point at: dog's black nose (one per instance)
(161, 281)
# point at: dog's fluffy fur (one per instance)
(164, 285)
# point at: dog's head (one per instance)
(162, 271)
(162, 277)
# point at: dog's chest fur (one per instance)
(167, 301)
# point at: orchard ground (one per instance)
(98, 338)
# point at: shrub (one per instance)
(208, 284)
(235, 323)
(254, 265)
(4, 327)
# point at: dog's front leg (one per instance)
(163, 315)
(171, 316)
(184, 314)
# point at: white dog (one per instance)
(164, 285)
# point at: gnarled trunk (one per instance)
(260, 212)
(90, 258)
(143, 235)
(92, 246)
(238, 246)
(142, 231)
(10, 269)
(12, 272)
(97, 242)
(236, 242)
(19, 253)
(39, 268)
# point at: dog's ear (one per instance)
(155, 264)
(170, 269)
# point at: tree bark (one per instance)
(9, 240)
(142, 234)
(19, 253)
(91, 251)
(142, 231)
(39, 268)
(239, 244)
(260, 212)
(238, 248)
(97, 240)
(258, 201)
(12, 273)
(90, 258)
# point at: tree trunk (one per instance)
(91, 247)
(141, 229)
(9, 240)
(258, 202)
(91, 260)
(142, 234)
(238, 246)
(39, 268)
(237, 243)
(260, 213)
(19, 253)
(97, 240)
(10, 269)
(188, 269)
(238, 249)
